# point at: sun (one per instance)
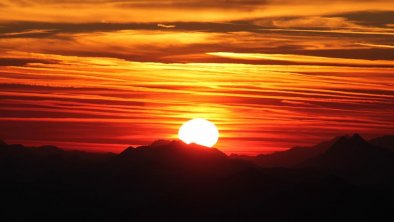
(199, 131)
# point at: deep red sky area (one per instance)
(102, 75)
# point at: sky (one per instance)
(100, 75)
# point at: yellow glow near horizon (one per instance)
(199, 131)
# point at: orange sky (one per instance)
(271, 74)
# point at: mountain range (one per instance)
(346, 178)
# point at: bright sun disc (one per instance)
(199, 131)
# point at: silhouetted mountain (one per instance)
(384, 141)
(177, 158)
(290, 157)
(351, 152)
(44, 159)
(355, 158)
(170, 150)
(170, 180)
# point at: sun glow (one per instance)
(199, 131)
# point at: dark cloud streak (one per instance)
(371, 18)
(24, 61)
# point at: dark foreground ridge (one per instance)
(347, 178)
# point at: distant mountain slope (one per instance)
(355, 158)
(384, 141)
(46, 158)
(352, 152)
(291, 157)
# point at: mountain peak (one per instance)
(160, 142)
(351, 152)
(175, 157)
(357, 137)
(171, 149)
(346, 142)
